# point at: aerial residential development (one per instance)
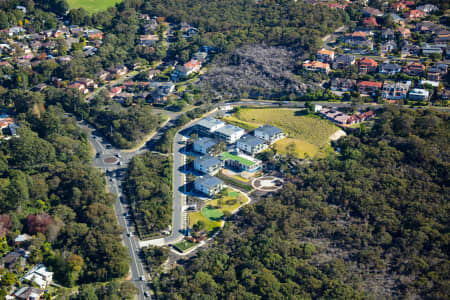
(188, 149)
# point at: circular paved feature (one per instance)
(110, 160)
(268, 183)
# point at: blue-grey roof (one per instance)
(270, 130)
(206, 142)
(209, 122)
(208, 181)
(251, 140)
(229, 129)
(390, 67)
(207, 161)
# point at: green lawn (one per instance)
(244, 161)
(184, 245)
(212, 213)
(92, 5)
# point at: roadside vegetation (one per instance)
(148, 187)
(49, 190)
(154, 257)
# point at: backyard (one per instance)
(92, 5)
(212, 213)
(307, 134)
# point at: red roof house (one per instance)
(367, 65)
(370, 22)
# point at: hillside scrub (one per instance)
(253, 71)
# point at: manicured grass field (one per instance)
(227, 155)
(92, 5)
(212, 213)
(184, 245)
(233, 194)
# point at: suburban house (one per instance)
(367, 65)
(388, 47)
(22, 238)
(428, 49)
(324, 55)
(390, 69)
(200, 56)
(409, 50)
(190, 67)
(358, 39)
(119, 70)
(208, 185)
(372, 12)
(208, 164)
(397, 19)
(345, 119)
(442, 36)
(316, 66)
(398, 6)
(370, 22)
(427, 8)
(79, 87)
(29, 293)
(414, 14)
(427, 27)
(241, 161)
(251, 144)
(395, 90)
(39, 275)
(343, 61)
(103, 75)
(387, 34)
(148, 39)
(369, 87)
(94, 34)
(343, 84)
(88, 83)
(414, 69)
(12, 259)
(432, 83)
(419, 94)
(205, 145)
(404, 32)
(334, 115)
(229, 133)
(437, 71)
(271, 134)
(209, 125)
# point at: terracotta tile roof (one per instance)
(370, 84)
(325, 52)
(368, 62)
(370, 21)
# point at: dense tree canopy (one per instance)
(148, 188)
(371, 221)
